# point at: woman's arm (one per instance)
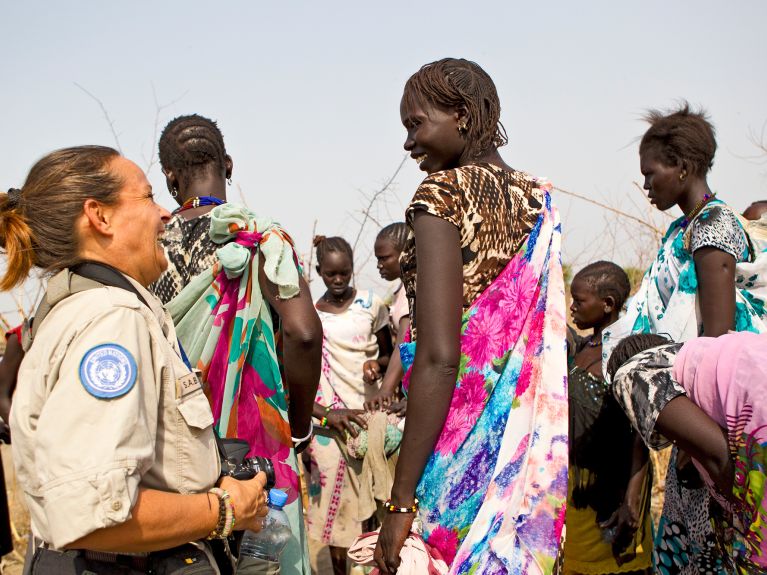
(432, 381)
(302, 349)
(394, 373)
(9, 369)
(696, 433)
(440, 304)
(372, 368)
(715, 270)
(161, 520)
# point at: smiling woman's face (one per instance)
(433, 139)
(138, 224)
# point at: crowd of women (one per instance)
(459, 427)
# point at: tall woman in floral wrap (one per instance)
(484, 452)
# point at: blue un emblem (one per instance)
(108, 371)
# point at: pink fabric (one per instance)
(399, 309)
(727, 378)
(722, 374)
(417, 556)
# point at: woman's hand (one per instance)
(381, 401)
(341, 420)
(249, 499)
(371, 371)
(398, 408)
(394, 530)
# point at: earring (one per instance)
(682, 176)
(462, 127)
(174, 192)
(229, 181)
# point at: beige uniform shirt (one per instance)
(80, 458)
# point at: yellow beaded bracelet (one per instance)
(391, 508)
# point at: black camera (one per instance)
(235, 464)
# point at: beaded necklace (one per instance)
(689, 217)
(198, 201)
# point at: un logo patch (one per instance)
(108, 371)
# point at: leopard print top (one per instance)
(493, 208)
(189, 252)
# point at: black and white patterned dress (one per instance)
(189, 252)
(693, 536)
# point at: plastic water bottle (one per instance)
(260, 552)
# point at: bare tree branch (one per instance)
(608, 208)
(308, 268)
(158, 108)
(373, 199)
(106, 115)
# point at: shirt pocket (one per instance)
(195, 410)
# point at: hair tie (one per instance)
(14, 195)
(318, 240)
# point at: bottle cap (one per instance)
(277, 497)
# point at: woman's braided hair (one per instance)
(452, 83)
(396, 233)
(191, 145)
(607, 279)
(332, 244)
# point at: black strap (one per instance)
(107, 275)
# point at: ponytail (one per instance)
(15, 239)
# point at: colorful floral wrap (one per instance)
(686, 538)
(679, 317)
(492, 496)
(226, 329)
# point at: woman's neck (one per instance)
(492, 157)
(339, 301)
(695, 197)
(214, 186)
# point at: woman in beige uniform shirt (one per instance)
(112, 435)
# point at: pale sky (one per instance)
(307, 95)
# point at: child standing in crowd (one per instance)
(608, 519)
(356, 329)
(388, 246)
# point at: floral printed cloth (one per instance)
(492, 496)
(666, 301)
(226, 329)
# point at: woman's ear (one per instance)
(98, 216)
(608, 304)
(462, 117)
(229, 165)
(171, 181)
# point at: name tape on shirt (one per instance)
(187, 384)
(108, 371)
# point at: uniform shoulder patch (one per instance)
(108, 370)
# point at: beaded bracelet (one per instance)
(226, 516)
(324, 419)
(391, 508)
